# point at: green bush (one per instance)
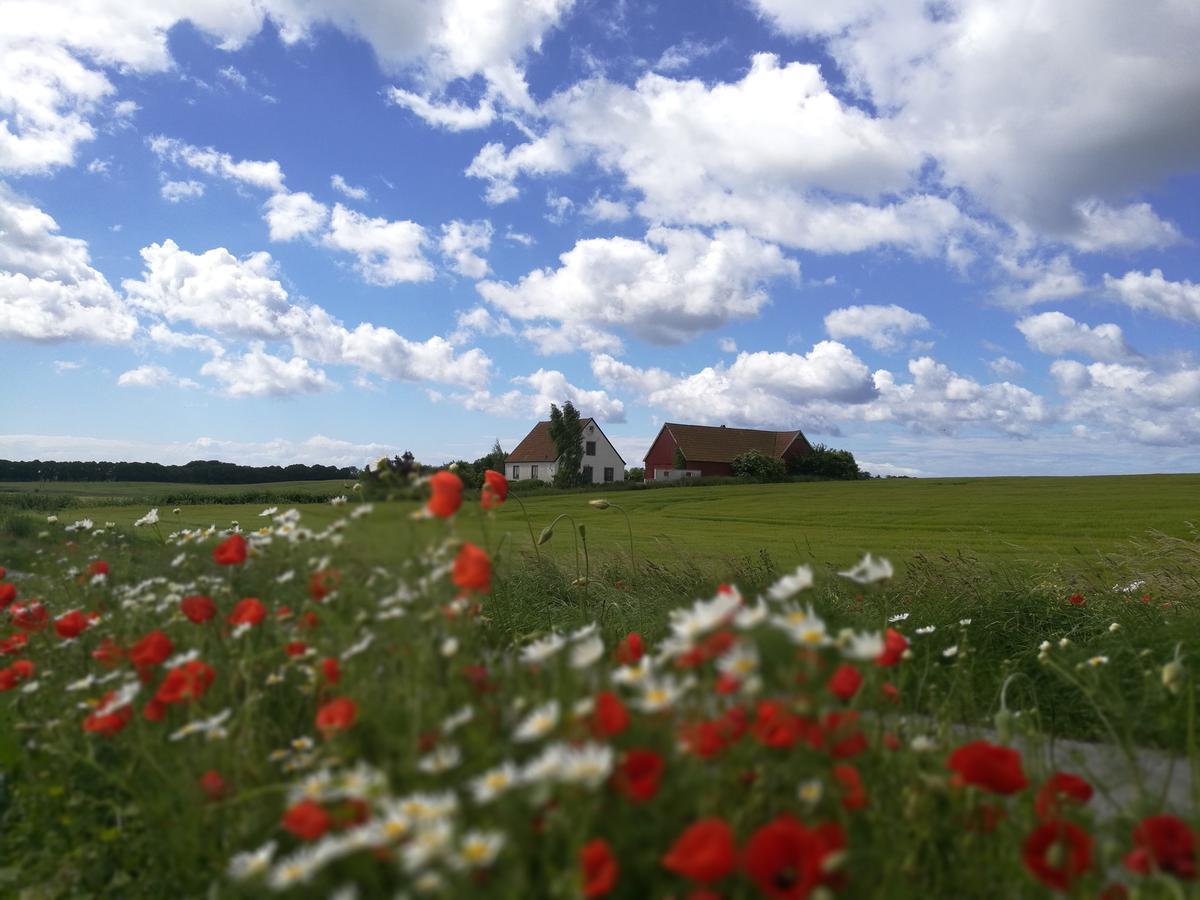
(825, 462)
(754, 466)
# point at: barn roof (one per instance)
(711, 443)
(537, 445)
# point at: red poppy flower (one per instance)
(840, 731)
(321, 582)
(705, 852)
(599, 867)
(309, 621)
(231, 551)
(97, 567)
(108, 653)
(21, 670)
(479, 678)
(248, 611)
(213, 785)
(854, 795)
(295, 648)
(630, 650)
(14, 643)
(495, 490)
(1056, 853)
(988, 766)
(845, 682)
(71, 625)
(152, 650)
(111, 722)
(8, 593)
(1165, 843)
(447, 494)
(609, 716)
(154, 710)
(775, 726)
(189, 681)
(1077, 600)
(331, 670)
(638, 774)
(336, 715)
(1060, 786)
(198, 608)
(472, 569)
(894, 645)
(890, 691)
(307, 820)
(3, 573)
(787, 860)
(29, 615)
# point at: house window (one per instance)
(589, 448)
(516, 473)
(587, 474)
(608, 473)
(533, 472)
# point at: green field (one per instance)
(137, 490)
(1012, 520)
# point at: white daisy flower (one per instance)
(790, 585)
(751, 616)
(252, 863)
(589, 764)
(862, 646)
(898, 617)
(539, 723)
(950, 651)
(149, 518)
(925, 629)
(442, 758)
(537, 652)
(804, 627)
(869, 570)
(478, 849)
(494, 782)
(587, 652)
(658, 694)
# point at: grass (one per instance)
(85, 814)
(1019, 521)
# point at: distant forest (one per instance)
(199, 471)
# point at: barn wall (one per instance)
(661, 454)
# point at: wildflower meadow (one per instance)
(251, 710)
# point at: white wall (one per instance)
(606, 456)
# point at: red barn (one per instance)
(711, 450)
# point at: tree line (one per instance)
(199, 471)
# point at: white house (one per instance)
(535, 456)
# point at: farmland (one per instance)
(1021, 521)
(350, 697)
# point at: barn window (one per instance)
(533, 472)
(608, 473)
(589, 448)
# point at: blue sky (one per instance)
(956, 240)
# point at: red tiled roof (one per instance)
(537, 446)
(709, 443)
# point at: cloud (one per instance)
(727, 345)
(452, 115)
(757, 389)
(1057, 334)
(152, 377)
(294, 215)
(883, 327)
(242, 299)
(666, 289)
(387, 253)
(264, 174)
(725, 154)
(1179, 300)
(317, 449)
(54, 56)
(479, 320)
(48, 288)
(1133, 227)
(1003, 367)
(603, 209)
(1027, 121)
(1132, 400)
(462, 243)
(215, 291)
(233, 76)
(257, 373)
(1034, 280)
(339, 184)
(545, 386)
(62, 366)
(175, 191)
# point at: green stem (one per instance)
(532, 538)
(632, 558)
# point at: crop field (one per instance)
(1023, 521)
(345, 700)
